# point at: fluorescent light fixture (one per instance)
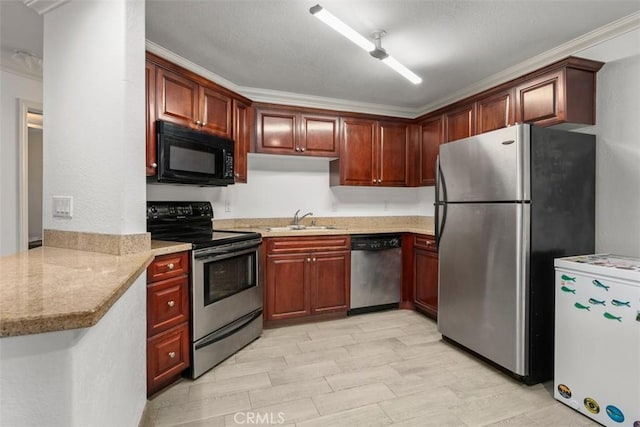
(335, 23)
(375, 49)
(401, 69)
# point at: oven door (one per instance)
(226, 285)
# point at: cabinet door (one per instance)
(215, 112)
(150, 116)
(287, 289)
(330, 282)
(431, 136)
(392, 164)
(276, 132)
(242, 115)
(541, 100)
(167, 356)
(495, 111)
(177, 98)
(357, 152)
(426, 280)
(460, 123)
(319, 135)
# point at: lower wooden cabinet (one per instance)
(307, 276)
(168, 352)
(425, 275)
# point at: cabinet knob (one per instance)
(314, 260)
(170, 266)
(172, 354)
(297, 148)
(171, 303)
(308, 259)
(379, 181)
(302, 149)
(198, 122)
(374, 181)
(154, 165)
(204, 123)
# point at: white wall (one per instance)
(94, 115)
(280, 185)
(12, 88)
(82, 377)
(617, 133)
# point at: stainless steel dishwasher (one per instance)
(376, 272)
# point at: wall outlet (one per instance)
(63, 206)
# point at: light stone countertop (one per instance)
(51, 289)
(344, 225)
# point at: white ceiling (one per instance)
(277, 45)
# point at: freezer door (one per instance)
(493, 166)
(483, 282)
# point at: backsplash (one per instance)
(280, 185)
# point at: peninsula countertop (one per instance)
(51, 289)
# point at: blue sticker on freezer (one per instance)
(615, 414)
(618, 303)
(612, 317)
(599, 284)
(581, 307)
(594, 301)
(569, 290)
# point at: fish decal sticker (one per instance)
(568, 278)
(618, 303)
(564, 391)
(611, 316)
(599, 284)
(591, 405)
(581, 307)
(565, 289)
(594, 301)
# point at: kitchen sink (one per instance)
(303, 228)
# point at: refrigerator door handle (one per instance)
(439, 227)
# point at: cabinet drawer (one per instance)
(167, 356)
(167, 304)
(308, 244)
(426, 242)
(167, 266)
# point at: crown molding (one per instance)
(572, 47)
(44, 6)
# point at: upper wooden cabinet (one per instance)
(179, 96)
(187, 103)
(296, 132)
(242, 130)
(431, 136)
(495, 111)
(563, 95)
(372, 153)
(460, 122)
(150, 117)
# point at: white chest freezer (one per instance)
(597, 337)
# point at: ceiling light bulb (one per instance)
(401, 69)
(341, 27)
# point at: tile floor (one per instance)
(385, 368)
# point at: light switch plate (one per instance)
(63, 206)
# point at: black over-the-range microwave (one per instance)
(187, 156)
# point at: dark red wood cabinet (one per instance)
(425, 275)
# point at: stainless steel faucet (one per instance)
(297, 219)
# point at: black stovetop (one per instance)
(189, 222)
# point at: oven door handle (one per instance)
(229, 330)
(220, 255)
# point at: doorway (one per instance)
(31, 177)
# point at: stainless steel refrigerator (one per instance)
(507, 203)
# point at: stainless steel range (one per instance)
(226, 293)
